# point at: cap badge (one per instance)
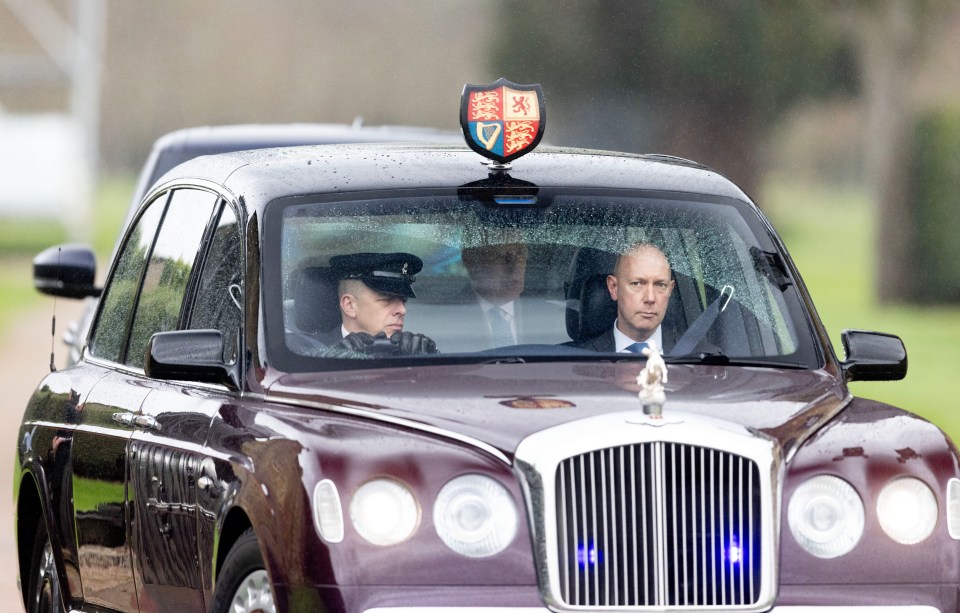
(502, 120)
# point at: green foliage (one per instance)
(28, 237)
(118, 301)
(175, 273)
(117, 304)
(744, 57)
(157, 311)
(830, 231)
(92, 494)
(113, 200)
(933, 194)
(16, 284)
(706, 80)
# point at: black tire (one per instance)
(43, 585)
(242, 584)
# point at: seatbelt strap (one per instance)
(695, 333)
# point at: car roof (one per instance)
(266, 174)
(174, 148)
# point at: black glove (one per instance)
(409, 343)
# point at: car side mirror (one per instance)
(67, 271)
(873, 356)
(189, 355)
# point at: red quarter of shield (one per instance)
(503, 120)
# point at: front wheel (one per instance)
(43, 586)
(243, 585)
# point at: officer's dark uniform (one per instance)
(387, 273)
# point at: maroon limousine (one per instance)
(405, 379)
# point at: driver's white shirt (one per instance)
(622, 341)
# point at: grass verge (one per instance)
(22, 239)
(830, 235)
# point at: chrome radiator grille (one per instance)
(658, 524)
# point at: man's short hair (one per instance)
(640, 246)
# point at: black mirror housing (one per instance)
(873, 356)
(189, 355)
(67, 271)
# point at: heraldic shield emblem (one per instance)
(503, 120)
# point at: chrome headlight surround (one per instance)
(475, 516)
(826, 516)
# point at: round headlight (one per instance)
(475, 516)
(826, 516)
(384, 512)
(907, 510)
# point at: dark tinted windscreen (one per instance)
(545, 260)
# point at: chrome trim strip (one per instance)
(780, 609)
(457, 610)
(389, 419)
(906, 608)
(128, 370)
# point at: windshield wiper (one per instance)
(716, 358)
(713, 357)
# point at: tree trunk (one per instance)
(887, 36)
(722, 139)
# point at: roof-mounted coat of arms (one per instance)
(503, 120)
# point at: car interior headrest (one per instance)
(597, 312)
(316, 304)
(590, 310)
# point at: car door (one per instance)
(98, 458)
(168, 492)
(144, 295)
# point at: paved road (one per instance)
(24, 360)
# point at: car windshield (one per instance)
(547, 260)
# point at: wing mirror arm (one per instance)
(873, 356)
(190, 355)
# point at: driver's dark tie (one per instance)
(637, 347)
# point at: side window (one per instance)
(169, 268)
(219, 297)
(109, 335)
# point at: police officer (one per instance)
(372, 290)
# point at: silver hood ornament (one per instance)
(651, 380)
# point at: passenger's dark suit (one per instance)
(604, 342)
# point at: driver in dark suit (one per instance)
(372, 290)
(641, 285)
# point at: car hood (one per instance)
(502, 404)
